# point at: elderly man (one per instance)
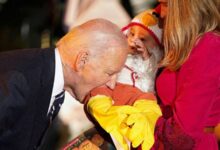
(32, 81)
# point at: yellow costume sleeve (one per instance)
(135, 123)
(111, 118)
(143, 124)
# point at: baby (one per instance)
(144, 38)
(134, 89)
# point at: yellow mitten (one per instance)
(111, 118)
(142, 124)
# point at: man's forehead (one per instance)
(112, 64)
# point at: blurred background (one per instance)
(40, 23)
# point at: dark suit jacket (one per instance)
(26, 81)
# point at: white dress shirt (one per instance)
(58, 83)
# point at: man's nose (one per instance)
(111, 83)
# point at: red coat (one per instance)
(193, 95)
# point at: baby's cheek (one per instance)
(130, 41)
(150, 44)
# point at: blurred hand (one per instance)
(141, 49)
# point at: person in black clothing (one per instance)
(32, 81)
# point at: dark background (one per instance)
(30, 23)
(35, 23)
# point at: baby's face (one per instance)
(140, 40)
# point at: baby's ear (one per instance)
(81, 59)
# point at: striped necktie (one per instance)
(59, 98)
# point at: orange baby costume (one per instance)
(123, 94)
(124, 113)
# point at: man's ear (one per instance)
(81, 59)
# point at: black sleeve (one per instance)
(13, 94)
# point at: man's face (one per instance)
(98, 72)
(139, 40)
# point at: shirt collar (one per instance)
(58, 78)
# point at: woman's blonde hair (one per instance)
(186, 21)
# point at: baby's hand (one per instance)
(141, 48)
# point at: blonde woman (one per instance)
(189, 86)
